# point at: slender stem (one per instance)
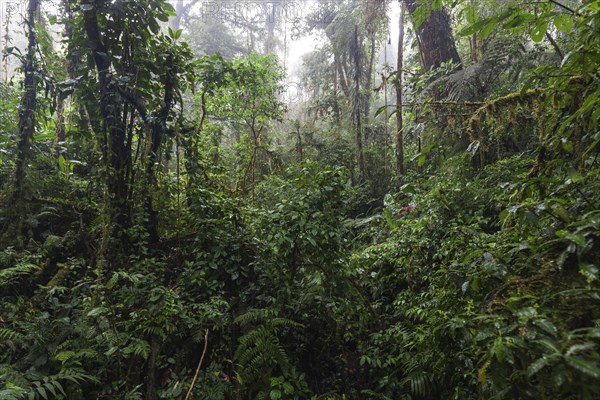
(398, 87)
(189, 393)
(563, 6)
(555, 45)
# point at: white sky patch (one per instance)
(291, 49)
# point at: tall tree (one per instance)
(434, 34)
(352, 28)
(138, 73)
(355, 51)
(247, 100)
(111, 128)
(26, 115)
(398, 87)
(182, 13)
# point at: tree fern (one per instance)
(18, 386)
(11, 338)
(13, 392)
(259, 350)
(12, 379)
(417, 382)
(478, 80)
(11, 276)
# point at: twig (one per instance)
(555, 45)
(564, 6)
(189, 393)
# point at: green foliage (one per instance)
(14, 275)
(236, 103)
(260, 353)
(473, 280)
(249, 90)
(21, 386)
(304, 212)
(480, 304)
(8, 118)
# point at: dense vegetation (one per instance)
(172, 227)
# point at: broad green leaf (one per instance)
(50, 387)
(563, 23)
(42, 391)
(420, 15)
(499, 349)
(381, 110)
(62, 163)
(503, 215)
(590, 271)
(288, 388)
(588, 367)
(169, 9)
(518, 20)
(96, 311)
(567, 145)
(58, 385)
(550, 346)
(488, 28)
(546, 325)
(535, 367)
(470, 14)
(579, 348)
(539, 31)
(576, 238)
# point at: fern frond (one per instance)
(138, 347)
(474, 82)
(11, 276)
(10, 335)
(420, 384)
(255, 315)
(258, 352)
(49, 387)
(367, 393)
(75, 375)
(13, 393)
(285, 322)
(12, 377)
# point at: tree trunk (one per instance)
(26, 119)
(369, 82)
(435, 38)
(340, 73)
(60, 118)
(159, 130)
(73, 65)
(398, 86)
(356, 103)
(151, 368)
(182, 10)
(270, 43)
(113, 140)
(299, 144)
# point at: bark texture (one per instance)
(435, 37)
